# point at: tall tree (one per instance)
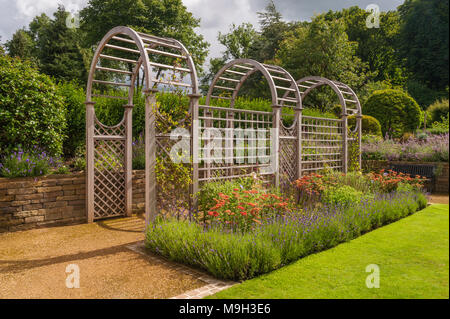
(60, 52)
(376, 46)
(55, 48)
(239, 41)
(166, 18)
(273, 31)
(21, 45)
(322, 48)
(423, 41)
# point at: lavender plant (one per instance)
(279, 240)
(30, 163)
(433, 148)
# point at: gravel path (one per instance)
(439, 199)
(33, 263)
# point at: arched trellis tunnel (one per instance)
(125, 59)
(122, 56)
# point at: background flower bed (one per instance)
(432, 148)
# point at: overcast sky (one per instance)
(215, 15)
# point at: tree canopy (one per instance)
(165, 18)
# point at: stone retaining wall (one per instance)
(52, 200)
(442, 172)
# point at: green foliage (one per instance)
(74, 98)
(164, 18)
(344, 195)
(54, 47)
(437, 111)
(376, 46)
(329, 54)
(31, 110)
(424, 95)
(223, 255)
(21, 45)
(32, 163)
(441, 127)
(371, 139)
(423, 41)
(238, 41)
(396, 111)
(370, 125)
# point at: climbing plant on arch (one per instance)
(281, 154)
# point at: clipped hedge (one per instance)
(396, 111)
(437, 111)
(370, 125)
(74, 98)
(32, 113)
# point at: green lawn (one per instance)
(412, 255)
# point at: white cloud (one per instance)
(19, 13)
(218, 16)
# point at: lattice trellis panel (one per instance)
(172, 189)
(109, 172)
(322, 144)
(288, 155)
(234, 143)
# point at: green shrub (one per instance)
(370, 125)
(343, 195)
(32, 113)
(396, 111)
(371, 139)
(441, 127)
(437, 111)
(74, 98)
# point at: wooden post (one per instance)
(90, 115)
(128, 159)
(359, 124)
(344, 142)
(150, 153)
(298, 118)
(276, 119)
(195, 134)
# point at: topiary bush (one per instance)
(370, 125)
(437, 111)
(32, 113)
(396, 111)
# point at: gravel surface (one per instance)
(33, 263)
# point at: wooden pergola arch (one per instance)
(349, 102)
(232, 76)
(122, 56)
(132, 60)
(347, 97)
